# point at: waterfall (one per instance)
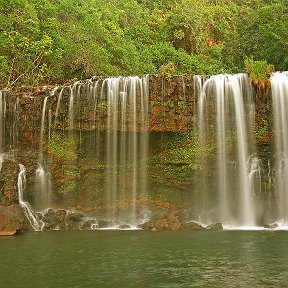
(127, 142)
(42, 127)
(58, 107)
(43, 187)
(42, 177)
(74, 93)
(2, 121)
(230, 128)
(35, 223)
(279, 85)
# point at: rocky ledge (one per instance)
(12, 220)
(173, 223)
(72, 220)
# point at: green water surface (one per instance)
(145, 259)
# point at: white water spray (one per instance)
(35, 223)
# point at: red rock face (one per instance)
(12, 220)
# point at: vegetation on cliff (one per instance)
(44, 41)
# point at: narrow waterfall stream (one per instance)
(2, 120)
(30, 214)
(42, 174)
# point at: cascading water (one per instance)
(127, 143)
(43, 177)
(122, 103)
(279, 85)
(107, 118)
(74, 94)
(2, 120)
(35, 223)
(227, 92)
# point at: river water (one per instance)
(145, 259)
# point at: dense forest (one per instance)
(54, 41)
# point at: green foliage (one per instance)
(260, 32)
(155, 103)
(181, 105)
(63, 146)
(262, 133)
(169, 103)
(167, 69)
(67, 188)
(258, 71)
(184, 149)
(44, 41)
(102, 105)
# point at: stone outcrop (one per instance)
(216, 226)
(173, 223)
(61, 220)
(12, 220)
(193, 226)
(169, 223)
(8, 183)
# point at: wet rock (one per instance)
(216, 226)
(39, 215)
(193, 226)
(124, 226)
(271, 226)
(75, 217)
(61, 219)
(61, 214)
(89, 224)
(12, 218)
(8, 233)
(104, 223)
(50, 220)
(70, 225)
(170, 223)
(50, 212)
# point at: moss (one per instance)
(262, 133)
(183, 148)
(63, 146)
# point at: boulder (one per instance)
(216, 227)
(88, 224)
(193, 226)
(169, 223)
(69, 225)
(13, 219)
(124, 226)
(104, 223)
(75, 217)
(8, 233)
(61, 214)
(61, 219)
